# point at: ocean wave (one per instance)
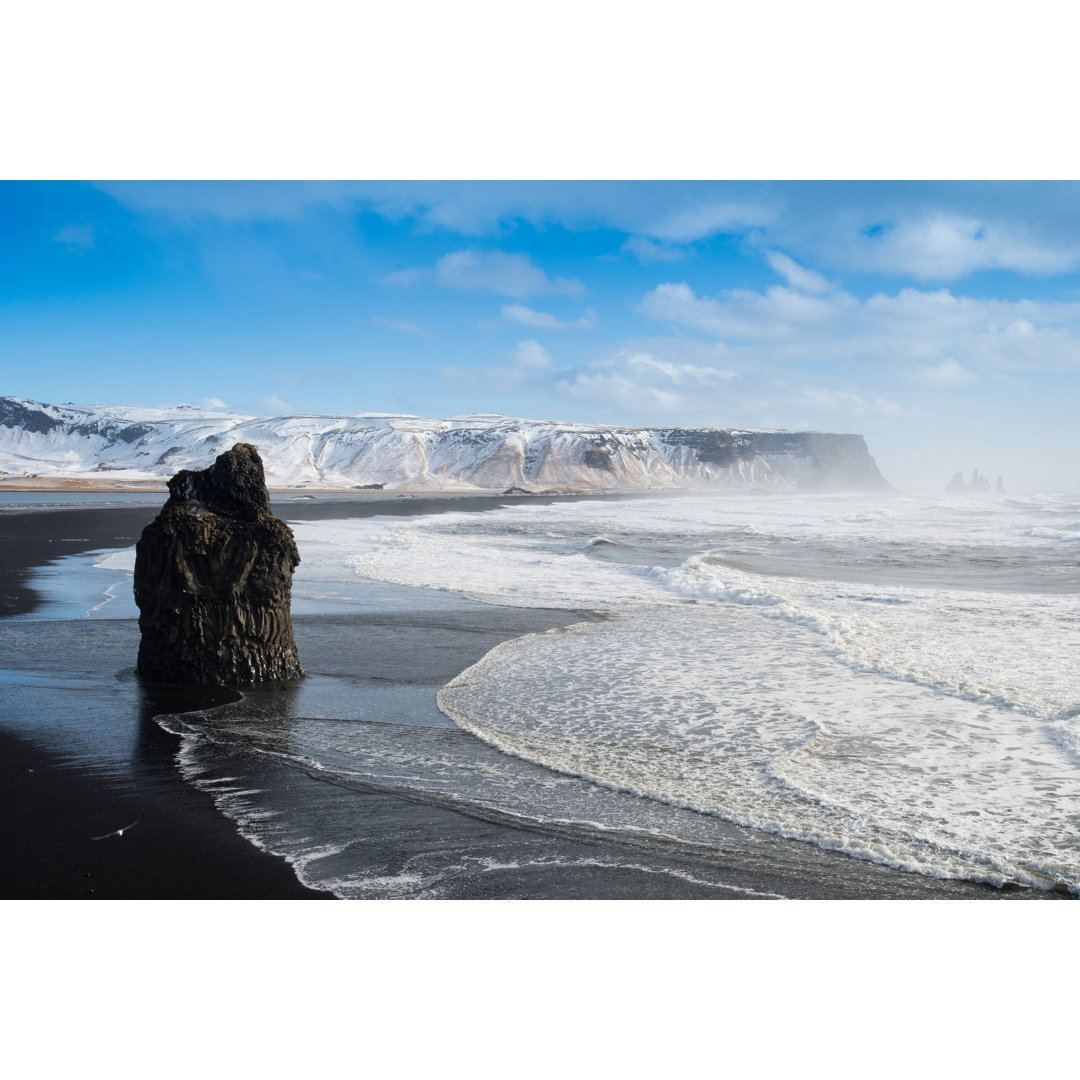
(762, 732)
(996, 653)
(1023, 655)
(1068, 536)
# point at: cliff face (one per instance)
(490, 453)
(213, 580)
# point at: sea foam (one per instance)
(893, 678)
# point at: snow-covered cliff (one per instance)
(481, 452)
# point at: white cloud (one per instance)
(704, 219)
(684, 375)
(500, 272)
(526, 316)
(472, 208)
(402, 326)
(940, 246)
(213, 404)
(647, 251)
(229, 200)
(917, 331)
(947, 373)
(530, 365)
(640, 385)
(823, 399)
(405, 279)
(531, 354)
(779, 312)
(628, 395)
(631, 386)
(798, 277)
(933, 230)
(77, 238)
(496, 271)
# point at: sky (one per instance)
(941, 320)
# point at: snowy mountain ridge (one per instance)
(483, 452)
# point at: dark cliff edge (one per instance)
(843, 462)
(213, 580)
(840, 462)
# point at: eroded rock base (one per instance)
(213, 580)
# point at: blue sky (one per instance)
(940, 320)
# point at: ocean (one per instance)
(890, 681)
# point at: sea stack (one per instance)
(213, 580)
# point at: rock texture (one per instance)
(213, 580)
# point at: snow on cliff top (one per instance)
(482, 451)
(325, 422)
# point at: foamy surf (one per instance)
(907, 681)
(890, 679)
(767, 733)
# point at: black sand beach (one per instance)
(181, 846)
(62, 804)
(50, 809)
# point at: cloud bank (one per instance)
(932, 231)
(935, 337)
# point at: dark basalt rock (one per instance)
(213, 580)
(598, 458)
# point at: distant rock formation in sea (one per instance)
(475, 453)
(977, 484)
(213, 580)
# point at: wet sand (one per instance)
(51, 808)
(178, 846)
(56, 798)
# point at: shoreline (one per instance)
(184, 847)
(49, 809)
(33, 538)
(46, 484)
